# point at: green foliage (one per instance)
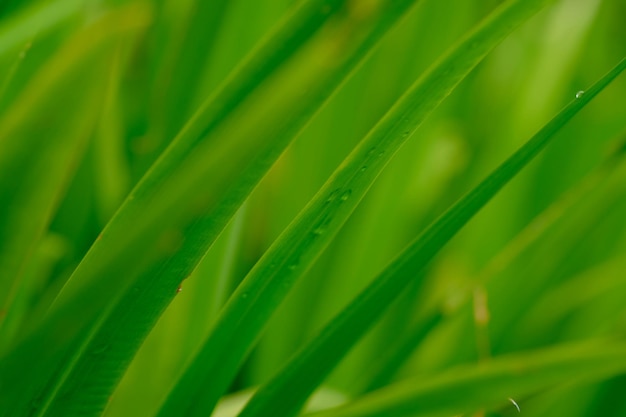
(193, 192)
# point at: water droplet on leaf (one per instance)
(580, 94)
(319, 230)
(332, 196)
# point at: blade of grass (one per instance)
(550, 261)
(555, 306)
(201, 30)
(49, 250)
(14, 68)
(20, 27)
(132, 272)
(41, 144)
(470, 388)
(383, 372)
(285, 394)
(249, 309)
(323, 399)
(30, 196)
(525, 280)
(110, 167)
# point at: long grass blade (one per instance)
(488, 385)
(285, 394)
(249, 309)
(171, 218)
(29, 197)
(19, 28)
(200, 33)
(400, 351)
(41, 135)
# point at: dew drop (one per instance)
(319, 230)
(292, 267)
(580, 94)
(180, 288)
(363, 168)
(346, 195)
(332, 196)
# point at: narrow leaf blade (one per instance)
(474, 387)
(291, 387)
(249, 309)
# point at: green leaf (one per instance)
(200, 32)
(41, 144)
(249, 309)
(285, 394)
(40, 147)
(324, 398)
(401, 349)
(38, 18)
(173, 216)
(490, 384)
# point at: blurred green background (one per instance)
(544, 263)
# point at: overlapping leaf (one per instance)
(182, 204)
(485, 386)
(316, 360)
(293, 253)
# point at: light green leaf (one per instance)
(286, 393)
(401, 349)
(490, 384)
(186, 199)
(40, 146)
(249, 309)
(40, 17)
(41, 143)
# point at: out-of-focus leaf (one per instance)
(42, 138)
(488, 385)
(182, 204)
(316, 360)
